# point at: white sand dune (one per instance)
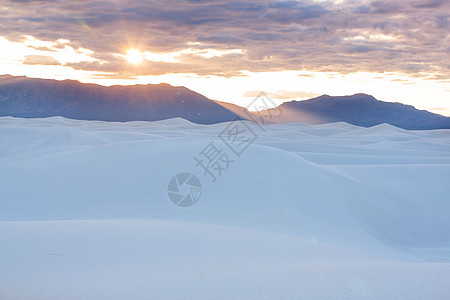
(330, 211)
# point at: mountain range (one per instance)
(37, 98)
(359, 109)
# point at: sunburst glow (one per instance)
(134, 56)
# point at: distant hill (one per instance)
(359, 109)
(36, 98)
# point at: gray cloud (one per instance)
(429, 3)
(275, 35)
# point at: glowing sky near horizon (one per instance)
(229, 51)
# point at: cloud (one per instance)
(429, 3)
(387, 7)
(283, 94)
(337, 36)
(40, 60)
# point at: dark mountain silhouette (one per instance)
(359, 109)
(35, 98)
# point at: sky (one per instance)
(397, 51)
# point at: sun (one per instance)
(134, 56)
